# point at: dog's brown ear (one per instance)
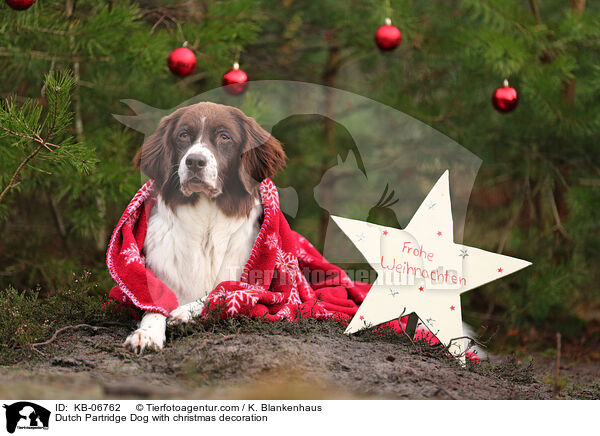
(151, 158)
(262, 155)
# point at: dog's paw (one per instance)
(180, 316)
(143, 339)
(186, 313)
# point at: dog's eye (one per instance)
(183, 135)
(224, 136)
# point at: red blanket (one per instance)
(285, 278)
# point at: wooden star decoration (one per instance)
(425, 268)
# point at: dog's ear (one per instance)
(152, 157)
(262, 155)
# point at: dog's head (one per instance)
(212, 150)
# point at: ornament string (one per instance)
(388, 10)
(180, 29)
(236, 60)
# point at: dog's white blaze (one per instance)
(203, 119)
(210, 173)
(196, 248)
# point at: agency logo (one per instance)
(26, 415)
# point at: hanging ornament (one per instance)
(20, 5)
(388, 37)
(505, 99)
(182, 61)
(235, 80)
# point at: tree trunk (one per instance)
(329, 77)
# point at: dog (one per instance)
(207, 161)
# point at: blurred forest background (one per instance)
(64, 66)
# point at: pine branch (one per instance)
(53, 56)
(521, 28)
(54, 118)
(37, 138)
(13, 181)
(16, 118)
(43, 143)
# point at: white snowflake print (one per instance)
(272, 241)
(286, 261)
(285, 313)
(294, 296)
(303, 255)
(270, 195)
(132, 254)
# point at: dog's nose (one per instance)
(195, 161)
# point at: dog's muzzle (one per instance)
(198, 172)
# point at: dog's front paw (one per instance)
(142, 339)
(180, 316)
(184, 314)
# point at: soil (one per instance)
(248, 361)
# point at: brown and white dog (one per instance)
(207, 161)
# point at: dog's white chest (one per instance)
(196, 247)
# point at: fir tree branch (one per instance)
(13, 181)
(521, 28)
(63, 56)
(48, 31)
(37, 138)
(43, 143)
(69, 32)
(54, 118)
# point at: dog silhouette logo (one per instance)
(26, 415)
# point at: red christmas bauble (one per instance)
(182, 61)
(505, 99)
(388, 37)
(20, 5)
(235, 80)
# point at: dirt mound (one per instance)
(260, 360)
